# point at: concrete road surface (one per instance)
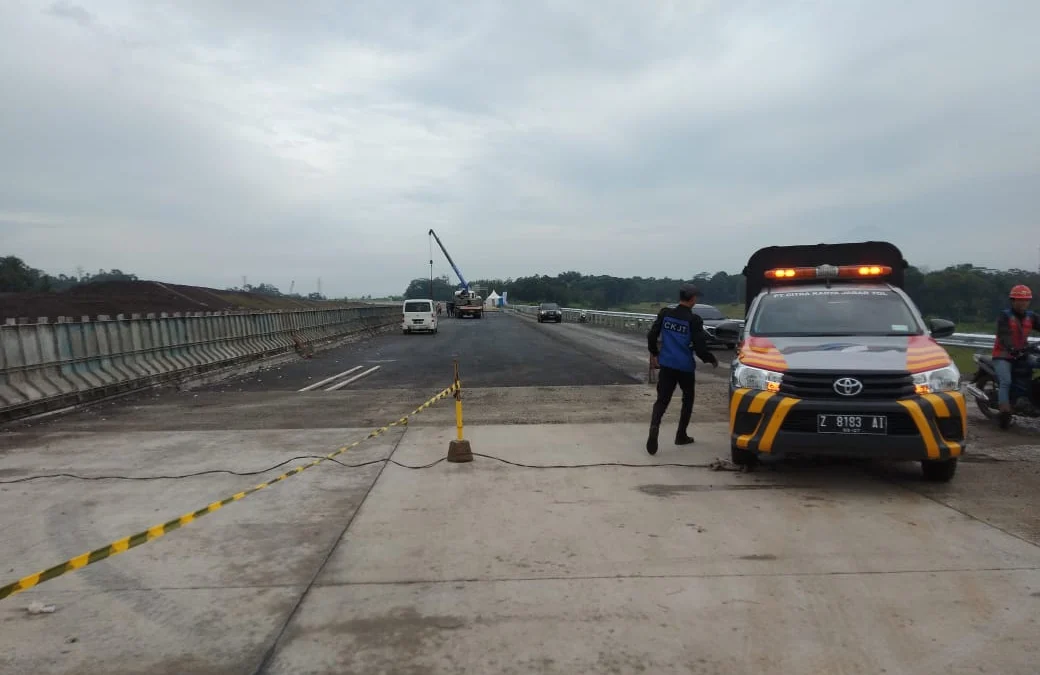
(503, 565)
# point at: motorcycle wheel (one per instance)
(988, 385)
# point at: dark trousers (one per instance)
(667, 379)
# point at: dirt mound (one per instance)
(143, 297)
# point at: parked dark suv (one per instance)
(550, 311)
(712, 318)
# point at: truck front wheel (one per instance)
(939, 471)
(742, 457)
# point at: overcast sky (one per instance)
(201, 141)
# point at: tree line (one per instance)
(18, 277)
(962, 293)
(274, 291)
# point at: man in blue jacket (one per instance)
(681, 333)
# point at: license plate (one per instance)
(852, 424)
(417, 320)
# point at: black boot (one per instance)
(681, 437)
(651, 441)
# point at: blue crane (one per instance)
(465, 284)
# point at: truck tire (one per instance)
(940, 471)
(742, 457)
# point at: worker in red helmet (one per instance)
(1014, 326)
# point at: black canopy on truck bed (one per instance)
(813, 255)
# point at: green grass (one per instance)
(962, 357)
(987, 328)
(643, 307)
(732, 310)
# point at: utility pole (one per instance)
(431, 269)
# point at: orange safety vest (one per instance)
(1020, 330)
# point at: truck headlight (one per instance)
(749, 377)
(947, 378)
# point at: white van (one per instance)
(418, 315)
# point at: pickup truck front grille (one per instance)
(876, 386)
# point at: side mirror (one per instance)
(728, 331)
(941, 328)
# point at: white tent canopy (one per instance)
(492, 299)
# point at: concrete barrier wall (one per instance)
(44, 365)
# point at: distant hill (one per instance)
(142, 297)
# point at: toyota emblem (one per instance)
(848, 386)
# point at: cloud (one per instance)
(202, 141)
(73, 13)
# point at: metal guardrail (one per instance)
(596, 317)
(636, 321)
(974, 341)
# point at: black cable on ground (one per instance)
(353, 466)
(595, 464)
(178, 477)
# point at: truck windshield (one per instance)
(833, 311)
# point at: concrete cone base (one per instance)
(460, 451)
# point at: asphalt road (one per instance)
(501, 350)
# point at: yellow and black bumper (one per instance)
(929, 426)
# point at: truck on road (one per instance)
(835, 359)
(469, 302)
(468, 299)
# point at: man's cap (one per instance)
(688, 292)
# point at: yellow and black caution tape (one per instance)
(125, 544)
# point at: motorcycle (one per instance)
(1025, 387)
(583, 317)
